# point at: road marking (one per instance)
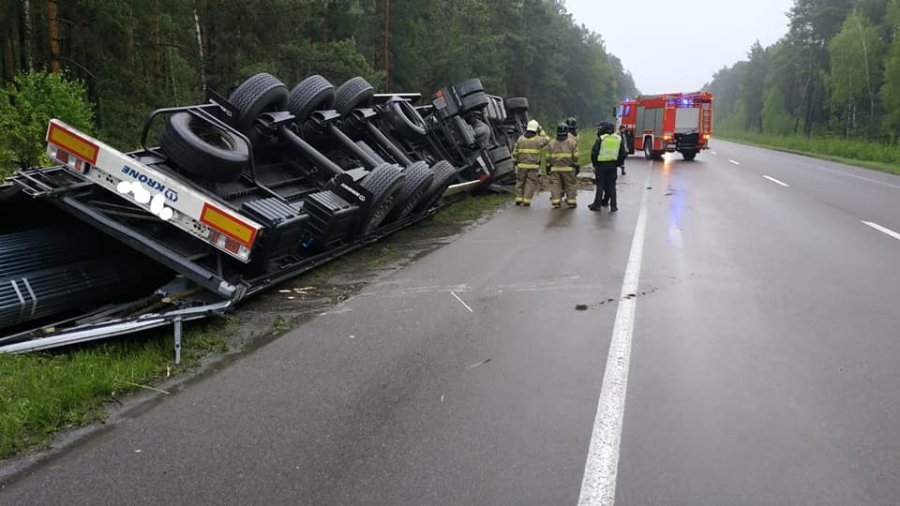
(734, 162)
(772, 179)
(883, 230)
(461, 302)
(713, 152)
(598, 486)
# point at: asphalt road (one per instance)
(763, 362)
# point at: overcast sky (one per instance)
(678, 46)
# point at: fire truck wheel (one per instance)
(648, 148)
(312, 94)
(353, 94)
(405, 119)
(444, 175)
(516, 104)
(203, 149)
(258, 94)
(689, 155)
(419, 177)
(468, 87)
(385, 182)
(477, 100)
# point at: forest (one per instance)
(834, 74)
(111, 62)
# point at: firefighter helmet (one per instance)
(562, 129)
(533, 126)
(572, 123)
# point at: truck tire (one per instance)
(468, 87)
(475, 101)
(444, 175)
(648, 148)
(314, 93)
(385, 182)
(689, 155)
(405, 119)
(353, 94)
(419, 177)
(203, 149)
(516, 104)
(258, 94)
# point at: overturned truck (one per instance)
(237, 195)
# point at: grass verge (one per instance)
(872, 155)
(42, 394)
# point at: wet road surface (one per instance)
(763, 367)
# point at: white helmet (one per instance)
(533, 126)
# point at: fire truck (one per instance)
(656, 124)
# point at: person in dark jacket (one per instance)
(605, 156)
(624, 154)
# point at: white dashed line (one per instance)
(461, 302)
(883, 230)
(782, 183)
(598, 487)
(734, 162)
(713, 152)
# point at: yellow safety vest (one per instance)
(610, 144)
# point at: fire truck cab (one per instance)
(656, 124)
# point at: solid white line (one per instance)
(461, 302)
(734, 162)
(883, 230)
(598, 486)
(772, 179)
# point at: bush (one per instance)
(26, 107)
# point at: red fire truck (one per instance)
(656, 124)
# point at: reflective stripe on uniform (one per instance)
(529, 166)
(562, 155)
(529, 151)
(562, 169)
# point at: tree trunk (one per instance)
(54, 36)
(156, 72)
(387, 45)
(200, 49)
(26, 26)
(9, 56)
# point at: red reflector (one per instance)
(62, 156)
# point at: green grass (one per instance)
(44, 393)
(873, 155)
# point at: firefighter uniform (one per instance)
(563, 163)
(527, 157)
(604, 157)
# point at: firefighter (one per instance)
(563, 168)
(624, 153)
(605, 155)
(572, 125)
(527, 158)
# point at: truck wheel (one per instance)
(466, 88)
(385, 182)
(477, 100)
(314, 93)
(258, 94)
(353, 94)
(418, 180)
(405, 119)
(203, 149)
(516, 104)
(689, 155)
(648, 148)
(444, 175)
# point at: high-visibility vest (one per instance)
(610, 144)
